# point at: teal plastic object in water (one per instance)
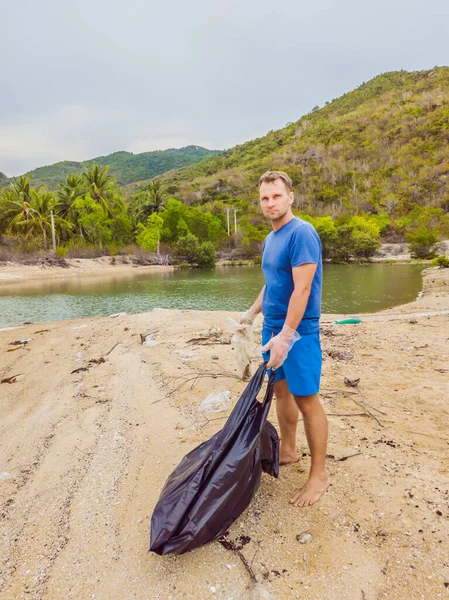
(348, 322)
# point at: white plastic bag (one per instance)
(215, 402)
(243, 339)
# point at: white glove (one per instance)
(280, 345)
(247, 318)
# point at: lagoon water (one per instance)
(351, 289)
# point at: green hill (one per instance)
(126, 167)
(380, 148)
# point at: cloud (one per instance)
(95, 76)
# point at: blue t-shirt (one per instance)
(295, 243)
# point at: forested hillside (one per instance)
(381, 147)
(126, 167)
(372, 165)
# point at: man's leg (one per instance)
(315, 425)
(288, 414)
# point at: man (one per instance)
(291, 304)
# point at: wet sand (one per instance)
(83, 457)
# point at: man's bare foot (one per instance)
(314, 488)
(288, 459)
(288, 455)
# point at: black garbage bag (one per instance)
(216, 481)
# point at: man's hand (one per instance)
(247, 318)
(280, 345)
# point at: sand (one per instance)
(83, 457)
(105, 266)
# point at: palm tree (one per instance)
(16, 205)
(68, 194)
(150, 200)
(39, 218)
(102, 188)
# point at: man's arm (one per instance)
(302, 279)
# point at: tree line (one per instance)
(91, 214)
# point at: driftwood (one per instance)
(354, 383)
(230, 545)
(11, 379)
(191, 378)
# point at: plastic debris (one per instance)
(243, 339)
(79, 326)
(304, 538)
(151, 343)
(5, 475)
(348, 321)
(215, 402)
(121, 314)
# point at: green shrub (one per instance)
(61, 251)
(201, 254)
(206, 255)
(422, 242)
(442, 262)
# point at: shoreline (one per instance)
(87, 445)
(11, 273)
(16, 273)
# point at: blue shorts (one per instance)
(302, 367)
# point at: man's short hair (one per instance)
(270, 176)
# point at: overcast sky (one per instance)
(86, 78)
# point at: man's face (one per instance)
(275, 199)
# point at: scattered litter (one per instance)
(79, 326)
(121, 314)
(304, 538)
(215, 402)
(348, 321)
(339, 355)
(212, 331)
(143, 336)
(404, 347)
(80, 356)
(243, 339)
(151, 343)
(209, 336)
(20, 342)
(5, 475)
(328, 332)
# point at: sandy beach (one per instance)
(94, 422)
(105, 266)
